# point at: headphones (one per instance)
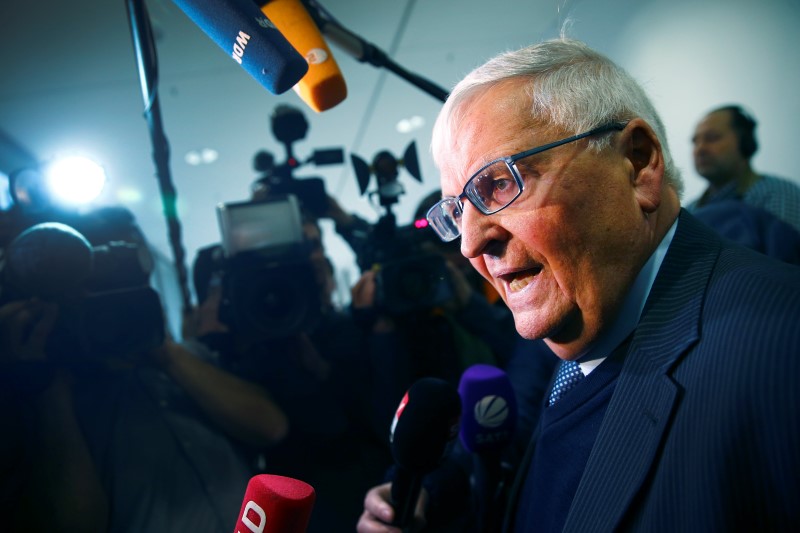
(745, 127)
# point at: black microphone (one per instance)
(241, 29)
(487, 428)
(426, 420)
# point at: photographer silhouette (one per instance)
(144, 436)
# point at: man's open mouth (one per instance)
(519, 280)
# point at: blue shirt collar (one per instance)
(633, 305)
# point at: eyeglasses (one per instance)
(494, 187)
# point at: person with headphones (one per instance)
(724, 144)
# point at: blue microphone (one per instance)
(241, 30)
(488, 422)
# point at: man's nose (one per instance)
(478, 231)
(698, 147)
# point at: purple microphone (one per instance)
(489, 409)
(488, 422)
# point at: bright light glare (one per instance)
(75, 180)
(5, 192)
(206, 156)
(129, 195)
(407, 125)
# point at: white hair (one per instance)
(571, 86)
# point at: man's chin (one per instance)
(532, 325)
(558, 327)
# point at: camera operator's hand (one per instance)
(379, 513)
(362, 298)
(228, 400)
(204, 318)
(363, 292)
(24, 328)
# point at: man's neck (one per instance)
(627, 314)
(739, 184)
(746, 180)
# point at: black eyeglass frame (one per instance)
(510, 163)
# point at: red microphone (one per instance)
(275, 504)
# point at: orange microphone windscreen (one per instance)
(323, 86)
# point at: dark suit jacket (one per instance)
(703, 430)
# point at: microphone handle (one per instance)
(366, 52)
(406, 487)
(488, 479)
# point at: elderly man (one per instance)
(681, 350)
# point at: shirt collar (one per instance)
(631, 309)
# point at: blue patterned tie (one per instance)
(569, 374)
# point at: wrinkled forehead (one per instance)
(491, 123)
(507, 101)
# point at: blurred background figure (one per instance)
(266, 295)
(756, 210)
(108, 424)
(724, 144)
(753, 227)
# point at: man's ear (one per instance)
(643, 150)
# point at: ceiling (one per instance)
(70, 84)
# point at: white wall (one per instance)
(694, 55)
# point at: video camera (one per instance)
(269, 283)
(106, 306)
(410, 275)
(288, 126)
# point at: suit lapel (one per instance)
(645, 396)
